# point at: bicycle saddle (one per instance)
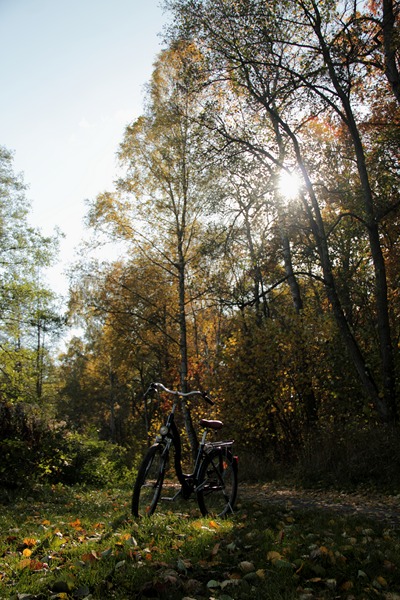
(211, 424)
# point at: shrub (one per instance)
(35, 449)
(89, 461)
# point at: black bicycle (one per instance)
(214, 479)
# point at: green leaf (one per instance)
(213, 584)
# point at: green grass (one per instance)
(73, 543)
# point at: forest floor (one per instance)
(282, 543)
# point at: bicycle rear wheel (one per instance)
(218, 482)
(149, 482)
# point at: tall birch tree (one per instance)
(162, 196)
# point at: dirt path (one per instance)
(372, 505)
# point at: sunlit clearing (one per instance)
(289, 185)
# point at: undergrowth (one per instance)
(70, 542)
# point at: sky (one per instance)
(72, 76)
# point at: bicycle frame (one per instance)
(172, 436)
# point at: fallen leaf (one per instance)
(246, 566)
(362, 574)
(90, 557)
(260, 573)
(77, 525)
(183, 565)
(37, 565)
(380, 582)
(346, 586)
(215, 550)
(230, 583)
(273, 556)
(290, 519)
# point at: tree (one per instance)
(27, 307)
(162, 197)
(130, 340)
(276, 58)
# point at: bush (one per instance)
(34, 449)
(88, 461)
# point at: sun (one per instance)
(289, 184)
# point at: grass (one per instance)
(76, 543)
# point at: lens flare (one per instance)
(289, 185)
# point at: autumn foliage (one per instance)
(284, 305)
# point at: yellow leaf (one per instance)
(382, 581)
(27, 552)
(214, 524)
(290, 519)
(273, 556)
(260, 573)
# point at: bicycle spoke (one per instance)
(216, 492)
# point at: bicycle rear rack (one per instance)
(222, 444)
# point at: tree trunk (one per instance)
(190, 431)
(111, 401)
(390, 46)
(292, 280)
(387, 405)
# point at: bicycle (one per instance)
(214, 479)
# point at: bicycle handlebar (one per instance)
(154, 387)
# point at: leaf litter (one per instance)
(261, 551)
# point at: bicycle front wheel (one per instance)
(218, 482)
(149, 482)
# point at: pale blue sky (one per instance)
(72, 74)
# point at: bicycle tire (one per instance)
(149, 482)
(217, 483)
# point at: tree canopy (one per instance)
(281, 300)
